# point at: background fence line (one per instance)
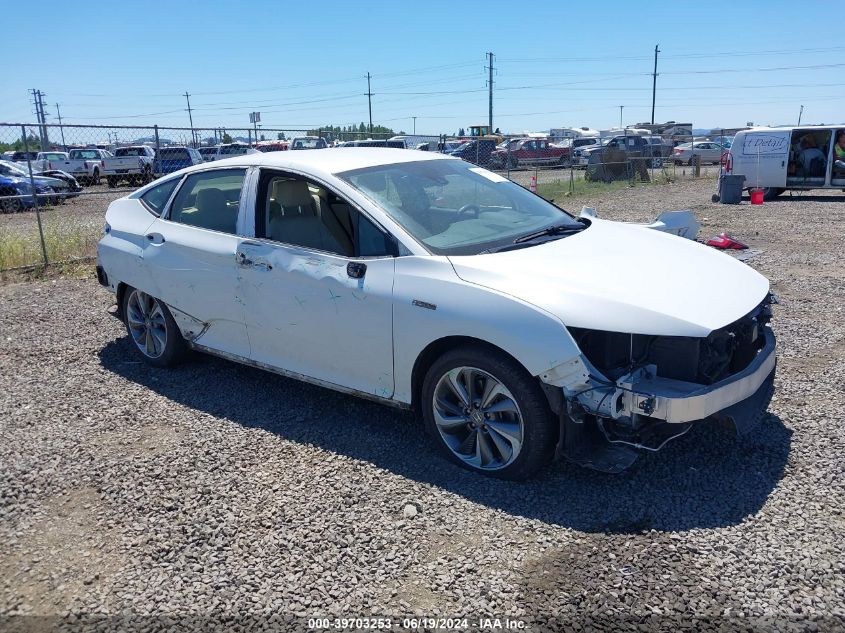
(46, 221)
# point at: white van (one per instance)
(782, 158)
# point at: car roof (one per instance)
(330, 161)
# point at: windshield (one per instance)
(455, 208)
(130, 151)
(305, 143)
(9, 169)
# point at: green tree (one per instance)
(280, 136)
(226, 137)
(461, 132)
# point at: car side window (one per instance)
(157, 197)
(209, 200)
(293, 210)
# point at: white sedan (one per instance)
(516, 330)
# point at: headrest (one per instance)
(292, 193)
(210, 198)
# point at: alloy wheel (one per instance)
(478, 418)
(147, 324)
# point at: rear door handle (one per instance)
(155, 238)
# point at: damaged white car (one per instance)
(518, 331)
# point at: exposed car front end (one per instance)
(667, 332)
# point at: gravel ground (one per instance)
(135, 498)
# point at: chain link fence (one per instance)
(56, 181)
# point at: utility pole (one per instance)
(620, 116)
(370, 103)
(42, 119)
(654, 82)
(415, 124)
(800, 114)
(190, 118)
(61, 129)
(490, 92)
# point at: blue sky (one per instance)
(304, 64)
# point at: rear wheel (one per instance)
(770, 193)
(487, 414)
(95, 177)
(111, 181)
(152, 329)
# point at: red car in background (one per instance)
(521, 152)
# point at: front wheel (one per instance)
(152, 329)
(11, 205)
(487, 414)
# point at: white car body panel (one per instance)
(297, 310)
(306, 315)
(638, 281)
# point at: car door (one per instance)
(190, 258)
(317, 286)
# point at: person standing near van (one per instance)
(839, 150)
(808, 154)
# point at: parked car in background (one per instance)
(85, 164)
(394, 143)
(49, 160)
(174, 158)
(439, 146)
(132, 164)
(660, 146)
(226, 150)
(308, 142)
(21, 156)
(16, 194)
(272, 146)
(48, 184)
(424, 282)
(72, 188)
(705, 151)
(477, 151)
(529, 151)
(208, 153)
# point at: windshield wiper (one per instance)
(555, 229)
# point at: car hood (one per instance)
(623, 278)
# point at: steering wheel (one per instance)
(469, 208)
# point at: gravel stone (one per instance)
(212, 496)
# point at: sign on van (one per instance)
(760, 144)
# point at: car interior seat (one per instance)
(213, 212)
(299, 220)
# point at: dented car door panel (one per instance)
(307, 315)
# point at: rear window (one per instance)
(174, 153)
(157, 197)
(233, 150)
(85, 154)
(130, 151)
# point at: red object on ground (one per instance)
(723, 240)
(756, 196)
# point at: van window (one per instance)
(808, 152)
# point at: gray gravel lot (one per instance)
(133, 497)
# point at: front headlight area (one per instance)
(642, 390)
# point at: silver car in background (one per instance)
(706, 151)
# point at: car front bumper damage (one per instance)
(605, 424)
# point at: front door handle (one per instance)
(356, 270)
(155, 238)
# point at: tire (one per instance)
(111, 181)
(691, 161)
(152, 331)
(770, 193)
(11, 205)
(95, 177)
(513, 439)
(514, 163)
